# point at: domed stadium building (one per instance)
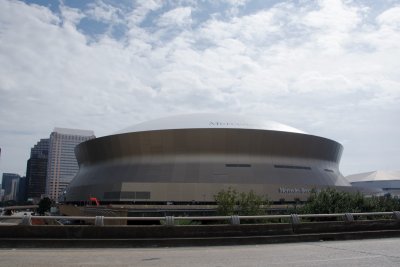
(190, 158)
(386, 181)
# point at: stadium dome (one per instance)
(214, 121)
(190, 158)
(387, 181)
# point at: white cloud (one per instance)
(236, 2)
(142, 9)
(101, 11)
(390, 18)
(70, 15)
(326, 69)
(180, 16)
(333, 15)
(252, 29)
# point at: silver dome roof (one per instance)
(209, 120)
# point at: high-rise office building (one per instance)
(10, 185)
(1, 193)
(36, 170)
(62, 164)
(21, 195)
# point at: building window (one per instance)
(292, 167)
(234, 165)
(112, 195)
(328, 170)
(142, 195)
(126, 195)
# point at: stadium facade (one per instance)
(386, 181)
(189, 158)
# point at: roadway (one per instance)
(370, 252)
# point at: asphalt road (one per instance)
(372, 252)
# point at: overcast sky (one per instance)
(330, 68)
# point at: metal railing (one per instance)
(234, 219)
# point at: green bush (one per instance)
(384, 203)
(230, 202)
(332, 201)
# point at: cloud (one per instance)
(328, 69)
(180, 16)
(70, 15)
(103, 12)
(142, 9)
(390, 18)
(333, 15)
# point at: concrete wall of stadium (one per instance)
(186, 165)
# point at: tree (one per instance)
(230, 202)
(332, 201)
(251, 204)
(382, 203)
(44, 205)
(226, 201)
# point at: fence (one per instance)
(233, 220)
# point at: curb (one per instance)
(187, 242)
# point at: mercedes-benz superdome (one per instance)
(190, 158)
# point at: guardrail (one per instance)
(233, 220)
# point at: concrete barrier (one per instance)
(153, 231)
(339, 226)
(143, 236)
(176, 242)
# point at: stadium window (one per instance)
(292, 167)
(235, 165)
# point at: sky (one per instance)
(330, 68)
